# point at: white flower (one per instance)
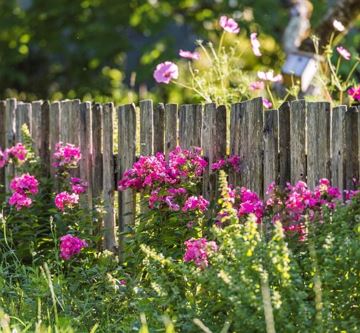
(338, 25)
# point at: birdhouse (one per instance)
(300, 67)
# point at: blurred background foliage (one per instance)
(107, 49)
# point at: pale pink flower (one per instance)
(257, 85)
(78, 186)
(255, 44)
(344, 52)
(70, 246)
(269, 76)
(229, 25)
(165, 72)
(338, 25)
(66, 155)
(198, 250)
(189, 55)
(266, 103)
(25, 184)
(19, 200)
(4, 158)
(66, 200)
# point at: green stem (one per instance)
(351, 72)
(221, 42)
(271, 95)
(194, 89)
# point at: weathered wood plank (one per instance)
(54, 135)
(351, 147)
(126, 159)
(36, 125)
(159, 128)
(74, 133)
(190, 120)
(338, 147)
(298, 141)
(44, 146)
(171, 127)
(23, 117)
(97, 161)
(318, 142)
(146, 127)
(10, 136)
(108, 178)
(271, 160)
(65, 121)
(284, 144)
(2, 141)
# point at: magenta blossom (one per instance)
(78, 186)
(229, 25)
(197, 250)
(269, 76)
(20, 200)
(165, 72)
(189, 55)
(266, 103)
(196, 203)
(70, 246)
(255, 44)
(24, 184)
(354, 92)
(257, 85)
(344, 52)
(66, 200)
(66, 155)
(18, 152)
(4, 158)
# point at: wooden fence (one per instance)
(301, 140)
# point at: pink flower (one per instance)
(354, 92)
(344, 52)
(257, 85)
(165, 72)
(18, 152)
(189, 55)
(269, 76)
(20, 200)
(78, 186)
(4, 158)
(24, 184)
(338, 25)
(250, 203)
(70, 246)
(266, 103)
(66, 200)
(229, 25)
(195, 203)
(255, 44)
(66, 155)
(197, 250)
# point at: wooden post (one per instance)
(74, 125)
(284, 144)
(97, 162)
(338, 147)
(146, 127)
(159, 128)
(190, 119)
(2, 141)
(171, 127)
(108, 178)
(23, 117)
(126, 159)
(318, 138)
(10, 136)
(236, 127)
(271, 161)
(65, 121)
(298, 141)
(351, 147)
(44, 145)
(54, 135)
(36, 125)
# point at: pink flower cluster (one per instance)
(66, 156)
(66, 200)
(250, 203)
(22, 188)
(195, 203)
(197, 250)
(78, 185)
(70, 246)
(17, 154)
(354, 92)
(231, 162)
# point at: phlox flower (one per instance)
(197, 250)
(19, 200)
(66, 155)
(344, 52)
(232, 161)
(354, 92)
(195, 203)
(78, 186)
(70, 246)
(257, 85)
(250, 203)
(266, 103)
(165, 72)
(229, 25)
(18, 152)
(338, 25)
(66, 200)
(4, 158)
(269, 76)
(24, 184)
(189, 55)
(255, 44)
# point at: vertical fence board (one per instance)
(351, 147)
(74, 133)
(284, 144)
(271, 161)
(23, 117)
(126, 158)
(146, 127)
(44, 151)
(54, 135)
(65, 121)
(171, 128)
(97, 178)
(2, 141)
(36, 125)
(108, 178)
(338, 146)
(10, 135)
(298, 141)
(159, 128)
(190, 120)
(318, 139)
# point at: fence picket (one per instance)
(190, 119)
(10, 136)
(44, 145)
(2, 141)
(146, 127)
(159, 128)
(171, 127)
(236, 128)
(97, 164)
(318, 142)
(36, 125)
(284, 144)
(54, 134)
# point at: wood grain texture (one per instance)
(54, 135)
(65, 116)
(159, 128)
(10, 122)
(97, 160)
(146, 127)
(318, 139)
(284, 144)
(2, 141)
(171, 127)
(23, 117)
(44, 146)
(298, 141)
(190, 120)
